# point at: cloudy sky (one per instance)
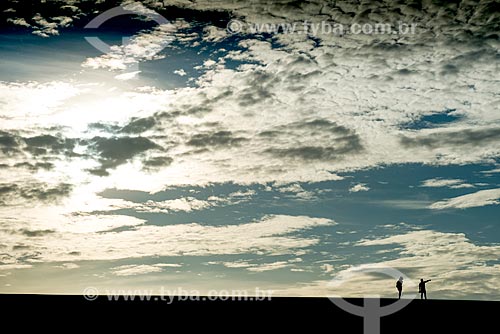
(188, 155)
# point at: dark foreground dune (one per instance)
(283, 314)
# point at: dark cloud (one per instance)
(34, 191)
(110, 128)
(253, 95)
(226, 93)
(115, 151)
(134, 126)
(300, 77)
(109, 152)
(35, 233)
(455, 138)
(8, 143)
(343, 146)
(46, 192)
(7, 140)
(139, 125)
(48, 144)
(313, 127)
(35, 166)
(334, 141)
(7, 189)
(102, 171)
(405, 71)
(34, 153)
(82, 11)
(298, 72)
(20, 247)
(459, 20)
(216, 139)
(37, 145)
(323, 125)
(270, 133)
(156, 162)
(449, 69)
(121, 148)
(257, 88)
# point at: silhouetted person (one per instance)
(399, 286)
(421, 288)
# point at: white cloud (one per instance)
(63, 21)
(298, 191)
(214, 34)
(235, 264)
(141, 47)
(261, 267)
(138, 8)
(257, 158)
(316, 80)
(127, 76)
(133, 270)
(273, 235)
(477, 199)
(209, 63)
(182, 204)
(491, 171)
(46, 28)
(26, 104)
(243, 194)
(68, 266)
(450, 183)
(169, 265)
(19, 21)
(186, 204)
(180, 72)
(292, 188)
(269, 266)
(450, 258)
(359, 187)
(458, 268)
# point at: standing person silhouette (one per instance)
(421, 288)
(399, 286)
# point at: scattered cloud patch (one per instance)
(477, 199)
(143, 269)
(272, 236)
(115, 151)
(127, 76)
(360, 187)
(449, 183)
(67, 266)
(451, 260)
(141, 47)
(298, 191)
(180, 72)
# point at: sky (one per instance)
(209, 146)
